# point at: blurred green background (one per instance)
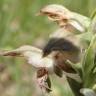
(19, 25)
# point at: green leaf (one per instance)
(88, 65)
(93, 23)
(93, 14)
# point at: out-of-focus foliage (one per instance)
(19, 25)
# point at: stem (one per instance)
(75, 86)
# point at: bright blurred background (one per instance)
(19, 25)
